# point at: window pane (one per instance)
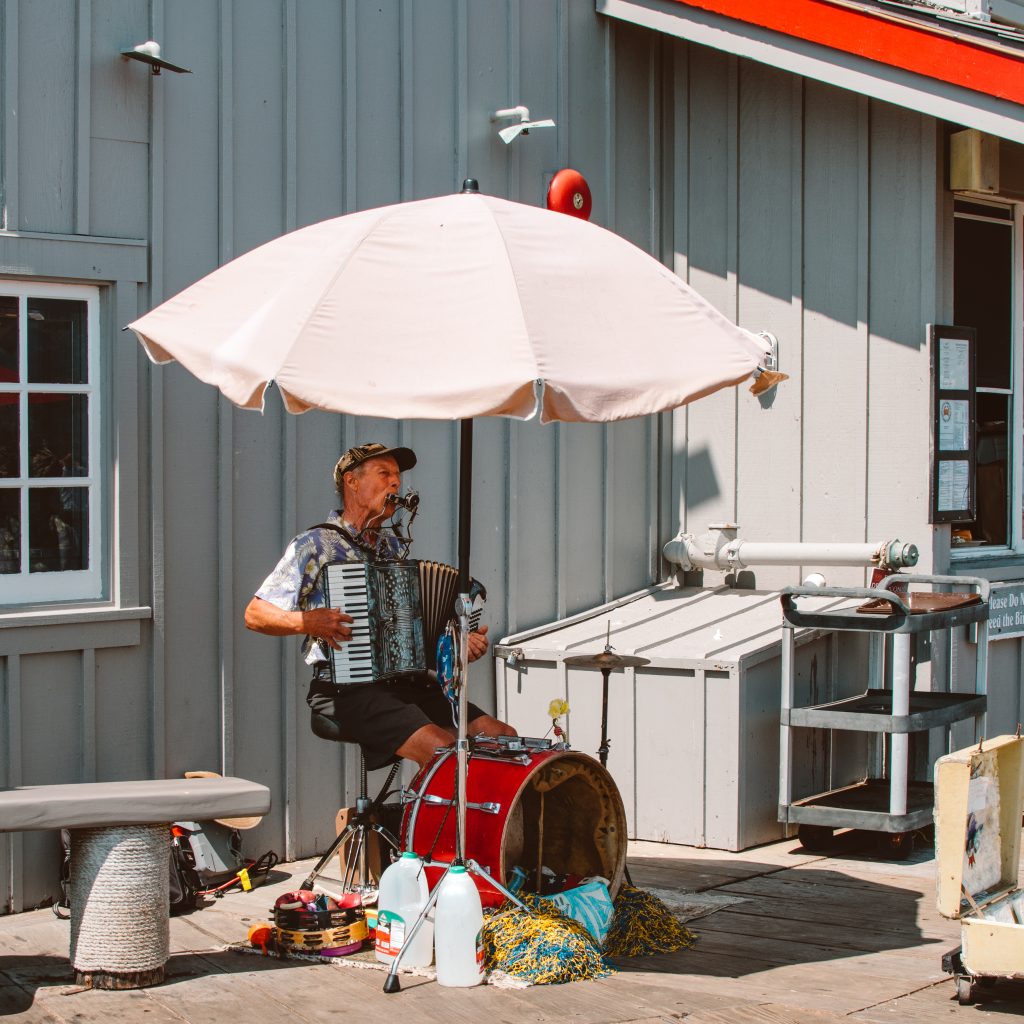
(8, 339)
(10, 531)
(57, 351)
(58, 441)
(993, 468)
(10, 436)
(983, 294)
(58, 528)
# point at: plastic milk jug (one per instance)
(458, 921)
(401, 897)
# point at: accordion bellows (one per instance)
(400, 609)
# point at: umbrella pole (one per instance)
(463, 609)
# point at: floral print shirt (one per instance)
(295, 582)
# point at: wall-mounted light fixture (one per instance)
(525, 124)
(149, 53)
(767, 375)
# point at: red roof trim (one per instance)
(927, 51)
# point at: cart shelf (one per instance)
(871, 711)
(865, 805)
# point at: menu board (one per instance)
(952, 350)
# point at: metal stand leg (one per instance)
(357, 859)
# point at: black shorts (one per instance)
(380, 717)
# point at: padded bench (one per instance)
(120, 856)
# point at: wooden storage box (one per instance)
(978, 806)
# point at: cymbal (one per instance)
(606, 660)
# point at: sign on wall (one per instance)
(1006, 610)
(953, 498)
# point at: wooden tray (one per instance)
(920, 602)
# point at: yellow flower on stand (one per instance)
(558, 709)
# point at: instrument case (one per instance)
(978, 807)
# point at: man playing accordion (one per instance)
(409, 716)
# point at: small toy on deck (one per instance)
(261, 935)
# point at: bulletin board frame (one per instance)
(953, 354)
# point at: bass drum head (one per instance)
(556, 808)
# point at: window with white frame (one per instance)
(51, 514)
(987, 278)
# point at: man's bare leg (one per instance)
(490, 726)
(423, 743)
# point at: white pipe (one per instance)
(785, 732)
(721, 549)
(742, 553)
(900, 746)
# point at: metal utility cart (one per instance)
(891, 803)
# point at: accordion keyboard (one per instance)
(348, 591)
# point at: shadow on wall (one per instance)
(696, 474)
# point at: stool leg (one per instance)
(356, 872)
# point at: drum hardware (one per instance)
(516, 743)
(606, 662)
(489, 807)
(497, 755)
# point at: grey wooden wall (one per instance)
(296, 110)
(812, 213)
(792, 206)
(822, 216)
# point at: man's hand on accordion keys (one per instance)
(478, 643)
(328, 624)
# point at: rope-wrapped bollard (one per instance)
(120, 924)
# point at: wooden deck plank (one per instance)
(733, 921)
(767, 1013)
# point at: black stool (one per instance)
(356, 877)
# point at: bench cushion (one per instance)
(97, 804)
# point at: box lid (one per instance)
(673, 627)
(978, 793)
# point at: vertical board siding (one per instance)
(709, 183)
(831, 192)
(769, 291)
(319, 110)
(47, 36)
(899, 381)
(835, 243)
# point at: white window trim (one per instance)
(1015, 455)
(70, 585)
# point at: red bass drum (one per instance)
(555, 808)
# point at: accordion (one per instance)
(400, 611)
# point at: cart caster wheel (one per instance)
(964, 991)
(895, 845)
(816, 838)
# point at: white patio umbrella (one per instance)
(449, 308)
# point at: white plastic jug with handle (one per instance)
(458, 922)
(401, 898)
